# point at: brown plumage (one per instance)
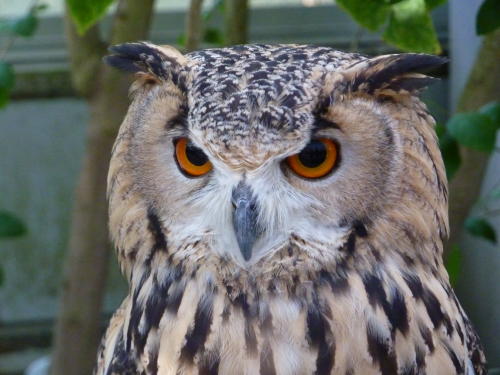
(250, 268)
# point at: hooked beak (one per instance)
(244, 218)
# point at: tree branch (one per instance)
(236, 19)
(77, 331)
(85, 54)
(132, 21)
(194, 25)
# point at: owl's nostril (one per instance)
(241, 193)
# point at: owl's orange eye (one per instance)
(191, 160)
(316, 160)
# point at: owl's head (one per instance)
(233, 152)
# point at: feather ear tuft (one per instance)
(392, 72)
(162, 62)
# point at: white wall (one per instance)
(41, 148)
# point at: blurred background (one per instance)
(60, 108)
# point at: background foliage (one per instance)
(10, 225)
(406, 24)
(477, 131)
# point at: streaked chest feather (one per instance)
(342, 320)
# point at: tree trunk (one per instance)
(236, 22)
(194, 25)
(483, 86)
(77, 330)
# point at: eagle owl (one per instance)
(281, 210)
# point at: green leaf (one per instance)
(411, 29)
(488, 17)
(2, 276)
(10, 226)
(454, 264)
(86, 13)
(6, 75)
(6, 82)
(479, 227)
(440, 130)
(451, 154)
(431, 4)
(4, 97)
(217, 6)
(492, 110)
(213, 36)
(25, 26)
(371, 14)
(181, 40)
(40, 7)
(473, 130)
(449, 150)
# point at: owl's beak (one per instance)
(245, 218)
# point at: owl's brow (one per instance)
(321, 123)
(179, 120)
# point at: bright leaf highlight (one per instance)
(86, 13)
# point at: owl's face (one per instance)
(243, 148)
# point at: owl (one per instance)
(281, 209)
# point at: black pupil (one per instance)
(313, 154)
(195, 155)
